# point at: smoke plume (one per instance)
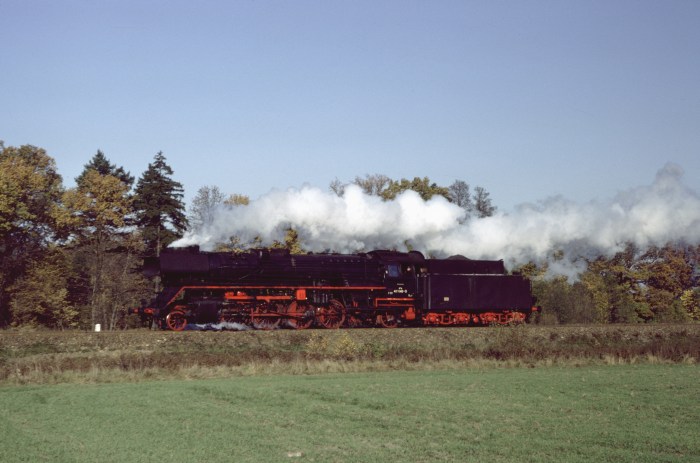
(655, 214)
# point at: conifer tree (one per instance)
(101, 164)
(160, 211)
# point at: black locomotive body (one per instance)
(269, 288)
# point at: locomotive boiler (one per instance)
(271, 288)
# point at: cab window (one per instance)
(393, 271)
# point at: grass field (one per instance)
(621, 413)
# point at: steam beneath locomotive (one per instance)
(666, 210)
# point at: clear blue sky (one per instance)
(527, 98)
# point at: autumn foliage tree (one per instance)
(423, 186)
(40, 297)
(631, 286)
(96, 211)
(669, 272)
(30, 191)
(478, 204)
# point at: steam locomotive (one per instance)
(271, 288)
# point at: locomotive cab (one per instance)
(400, 270)
(399, 280)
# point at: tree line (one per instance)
(71, 257)
(655, 284)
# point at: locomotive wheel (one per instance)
(266, 317)
(301, 315)
(333, 315)
(388, 320)
(176, 320)
(242, 319)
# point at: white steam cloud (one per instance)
(664, 211)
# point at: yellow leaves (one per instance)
(595, 284)
(40, 296)
(422, 186)
(690, 300)
(28, 185)
(291, 242)
(237, 200)
(101, 202)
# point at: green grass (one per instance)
(621, 413)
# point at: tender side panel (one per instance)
(476, 293)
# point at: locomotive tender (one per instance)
(270, 288)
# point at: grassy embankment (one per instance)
(40, 357)
(623, 413)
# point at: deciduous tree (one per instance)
(204, 205)
(563, 301)
(373, 185)
(460, 195)
(597, 288)
(690, 301)
(423, 186)
(482, 203)
(623, 280)
(40, 296)
(668, 274)
(337, 187)
(237, 200)
(96, 211)
(30, 191)
(291, 242)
